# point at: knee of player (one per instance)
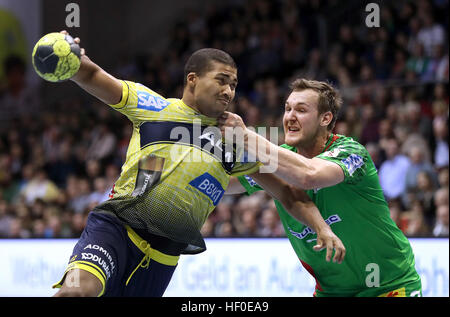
(78, 283)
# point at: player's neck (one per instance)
(315, 147)
(189, 101)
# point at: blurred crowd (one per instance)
(58, 161)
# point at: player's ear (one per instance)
(191, 79)
(327, 117)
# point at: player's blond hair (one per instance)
(329, 97)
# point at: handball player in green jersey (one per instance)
(171, 181)
(340, 178)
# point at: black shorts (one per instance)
(125, 264)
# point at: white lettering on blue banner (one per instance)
(353, 162)
(209, 186)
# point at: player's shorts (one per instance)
(125, 264)
(410, 289)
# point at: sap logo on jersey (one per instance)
(209, 186)
(353, 162)
(150, 102)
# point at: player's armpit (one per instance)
(234, 187)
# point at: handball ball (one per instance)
(56, 57)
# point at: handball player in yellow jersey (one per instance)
(176, 171)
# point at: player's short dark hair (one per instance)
(329, 97)
(200, 61)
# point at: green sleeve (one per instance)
(249, 184)
(352, 157)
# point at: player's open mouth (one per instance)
(293, 129)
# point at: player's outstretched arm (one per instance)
(96, 81)
(302, 208)
(294, 168)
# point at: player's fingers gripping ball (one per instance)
(56, 57)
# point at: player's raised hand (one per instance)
(76, 40)
(230, 124)
(93, 79)
(326, 239)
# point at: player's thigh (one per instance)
(100, 252)
(80, 283)
(151, 281)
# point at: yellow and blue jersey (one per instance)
(176, 170)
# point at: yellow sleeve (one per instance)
(245, 168)
(140, 103)
(124, 100)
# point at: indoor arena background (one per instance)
(61, 150)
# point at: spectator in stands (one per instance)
(441, 227)
(5, 219)
(431, 34)
(222, 216)
(9, 186)
(440, 102)
(93, 168)
(100, 193)
(393, 171)
(53, 227)
(249, 224)
(40, 187)
(418, 122)
(83, 190)
(418, 64)
(370, 124)
(102, 144)
(352, 118)
(395, 209)
(441, 153)
(415, 221)
(17, 230)
(407, 55)
(418, 165)
(425, 193)
(385, 132)
(225, 230)
(19, 99)
(443, 177)
(375, 153)
(38, 229)
(441, 197)
(65, 164)
(78, 222)
(270, 222)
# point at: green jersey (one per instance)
(379, 258)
